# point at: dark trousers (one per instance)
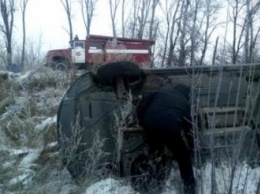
(158, 138)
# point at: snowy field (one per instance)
(30, 161)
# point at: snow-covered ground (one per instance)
(245, 181)
(30, 161)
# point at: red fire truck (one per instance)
(96, 50)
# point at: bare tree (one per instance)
(134, 13)
(124, 19)
(87, 10)
(248, 25)
(144, 9)
(34, 55)
(250, 38)
(215, 52)
(237, 7)
(170, 11)
(244, 34)
(183, 30)
(189, 27)
(68, 9)
(166, 10)
(144, 23)
(194, 31)
(23, 9)
(210, 14)
(113, 5)
(153, 25)
(7, 14)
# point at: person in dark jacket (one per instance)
(165, 115)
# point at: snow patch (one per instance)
(8, 164)
(23, 150)
(28, 160)
(52, 144)
(109, 186)
(18, 179)
(245, 179)
(24, 76)
(45, 123)
(172, 182)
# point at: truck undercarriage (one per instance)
(99, 134)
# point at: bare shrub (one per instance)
(123, 117)
(4, 101)
(94, 156)
(26, 125)
(22, 109)
(40, 79)
(75, 156)
(20, 122)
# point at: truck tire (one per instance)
(107, 73)
(61, 66)
(85, 111)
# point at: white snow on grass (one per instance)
(245, 179)
(22, 150)
(109, 186)
(18, 179)
(24, 76)
(22, 172)
(31, 155)
(46, 122)
(3, 72)
(28, 160)
(52, 144)
(245, 182)
(173, 182)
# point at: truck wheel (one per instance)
(107, 73)
(61, 66)
(86, 117)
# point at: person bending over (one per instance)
(165, 117)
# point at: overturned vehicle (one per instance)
(99, 135)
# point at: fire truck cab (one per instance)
(78, 52)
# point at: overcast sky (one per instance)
(47, 19)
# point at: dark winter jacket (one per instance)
(166, 109)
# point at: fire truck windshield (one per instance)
(78, 45)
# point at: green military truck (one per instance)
(98, 133)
